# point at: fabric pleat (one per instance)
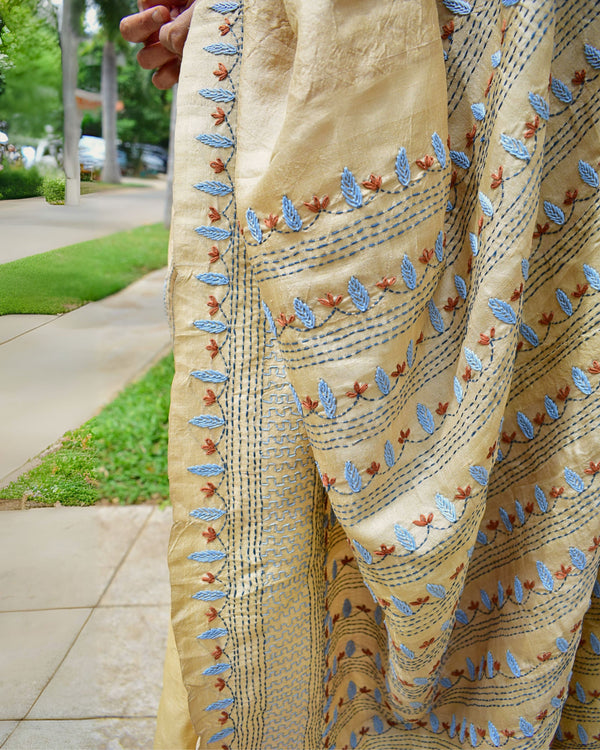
(384, 462)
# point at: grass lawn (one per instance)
(119, 455)
(63, 279)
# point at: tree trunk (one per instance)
(169, 197)
(111, 171)
(72, 117)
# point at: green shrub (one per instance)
(18, 182)
(53, 189)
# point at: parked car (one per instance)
(92, 153)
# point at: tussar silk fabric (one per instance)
(384, 456)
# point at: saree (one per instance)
(384, 462)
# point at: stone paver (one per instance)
(87, 734)
(143, 578)
(33, 645)
(6, 727)
(58, 376)
(113, 669)
(82, 549)
(82, 677)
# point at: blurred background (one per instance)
(123, 120)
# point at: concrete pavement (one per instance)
(30, 226)
(84, 607)
(58, 371)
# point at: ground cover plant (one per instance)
(63, 279)
(119, 455)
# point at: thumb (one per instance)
(173, 35)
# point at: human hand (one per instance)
(162, 26)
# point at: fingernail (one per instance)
(157, 16)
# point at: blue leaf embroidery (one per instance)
(479, 474)
(513, 664)
(406, 651)
(269, 317)
(402, 606)
(478, 111)
(525, 425)
(436, 318)
(408, 272)
(581, 380)
(405, 538)
(526, 727)
(564, 302)
(592, 55)
(296, 399)
(561, 91)
(460, 159)
(579, 690)
(540, 105)
(541, 498)
(445, 507)
(502, 310)
(525, 268)
(583, 735)
(254, 225)
(545, 575)
(505, 519)
(382, 381)
(551, 407)
(515, 147)
(481, 537)
(554, 213)
(351, 189)
(461, 286)
(473, 360)
(358, 294)
(574, 480)
(460, 7)
(327, 399)
(304, 313)
(402, 168)
(436, 589)
(290, 215)
(595, 643)
(425, 419)
(410, 353)
(588, 174)
(518, 590)
(439, 149)
(474, 242)
(520, 512)
(378, 725)
(529, 334)
(592, 276)
(365, 554)
(577, 558)
(458, 391)
(486, 205)
(439, 246)
(352, 477)
(461, 616)
(496, 57)
(388, 454)
(562, 645)
(494, 735)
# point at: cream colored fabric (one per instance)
(385, 283)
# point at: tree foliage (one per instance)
(30, 67)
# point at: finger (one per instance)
(154, 56)
(168, 75)
(173, 35)
(140, 26)
(145, 4)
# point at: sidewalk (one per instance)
(84, 608)
(31, 226)
(56, 372)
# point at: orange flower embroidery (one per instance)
(425, 162)
(385, 283)
(213, 214)
(497, 177)
(358, 389)
(317, 205)
(217, 165)
(373, 183)
(221, 72)
(219, 116)
(424, 520)
(271, 221)
(531, 127)
(214, 254)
